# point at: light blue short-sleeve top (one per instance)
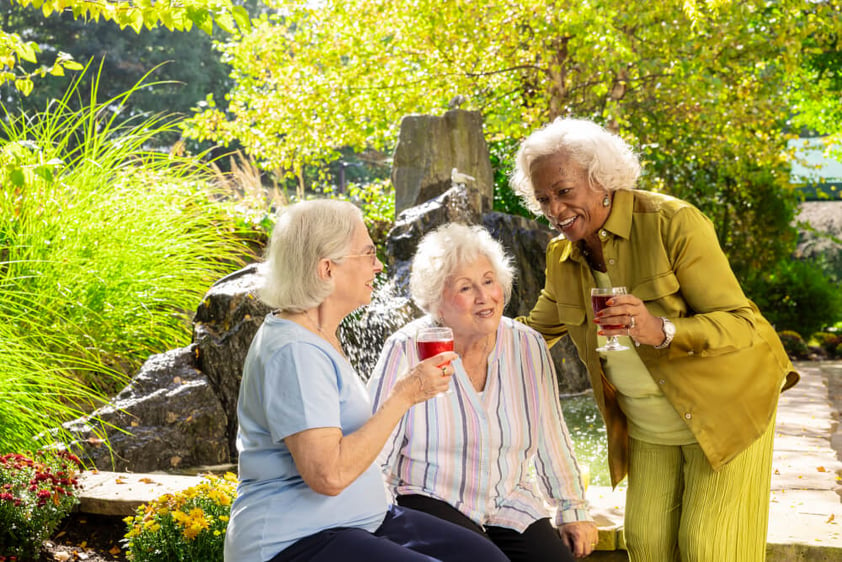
(293, 381)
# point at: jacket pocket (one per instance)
(571, 314)
(657, 287)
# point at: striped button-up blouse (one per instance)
(503, 456)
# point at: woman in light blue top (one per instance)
(308, 485)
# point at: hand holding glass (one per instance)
(432, 341)
(599, 300)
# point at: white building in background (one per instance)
(813, 165)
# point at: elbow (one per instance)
(326, 485)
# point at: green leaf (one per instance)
(27, 50)
(17, 177)
(241, 16)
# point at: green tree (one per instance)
(702, 88)
(133, 14)
(188, 66)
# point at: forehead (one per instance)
(478, 267)
(548, 170)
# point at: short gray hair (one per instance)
(305, 233)
(442, 251)
(608, 159)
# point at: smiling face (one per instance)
(562, 189)
(354, 280)
(472, 301)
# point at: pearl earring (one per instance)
(606, 201)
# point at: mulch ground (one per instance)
(82, 536)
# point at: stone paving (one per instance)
(805, 510)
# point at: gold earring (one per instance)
(606, 201)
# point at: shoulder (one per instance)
(661, 203)
(527, 335)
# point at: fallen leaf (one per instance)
(777, 472)
(115, 550)
(119, 480)
(821, 469)
(135, 424)
(61, 556)
(831, 518)
(146, 480)
(60, 534)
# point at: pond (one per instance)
(588, 434)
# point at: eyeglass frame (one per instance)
(372, 255)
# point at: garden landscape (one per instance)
(145, 149)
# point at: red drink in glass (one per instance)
(427, 349)
(599, 302)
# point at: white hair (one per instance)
(610, 162)
(442, 251)
(305, 233)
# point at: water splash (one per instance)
(364, 331)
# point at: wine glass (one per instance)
(432, 341)
(599, 300)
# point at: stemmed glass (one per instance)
(432, 341)
(599, 300)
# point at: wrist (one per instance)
(669, 333)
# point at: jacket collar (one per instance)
(618, 223)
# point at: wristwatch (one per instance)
(669, 333)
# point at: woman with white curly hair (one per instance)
(690, 404)
(492, 455)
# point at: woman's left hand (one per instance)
(580, 537)
(638, 323)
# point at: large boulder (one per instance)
(167, 417)
(224, 324)
(428, 150)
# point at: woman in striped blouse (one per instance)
(493, 454)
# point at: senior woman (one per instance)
(308, 486)
(690, 405)
(493, 454)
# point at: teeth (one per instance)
(566, 222)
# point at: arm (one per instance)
(544, 315)
(393, 360)
(707, 306)
(329, 461)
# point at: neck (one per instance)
(476, 347)
(315, 321)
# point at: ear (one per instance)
(324, 269)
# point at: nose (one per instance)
(554, 209)
(378, 265)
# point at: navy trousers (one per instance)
(406, 534)
(540, 542)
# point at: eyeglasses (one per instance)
(372, 256)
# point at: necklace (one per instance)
(599, 265)
(332, 340)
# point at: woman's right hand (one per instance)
(427, 379)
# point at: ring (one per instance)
(631, 322)
(444, 370)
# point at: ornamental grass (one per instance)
(187, 527)
(106, 248)
(36, 493)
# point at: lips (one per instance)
(487, 313)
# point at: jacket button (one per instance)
(688, 416)
(603, 234)
(612, 261)
(662, 381)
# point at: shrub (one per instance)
(794, 344)
(831, 343)
(36, 493)
(188, 526)
(798, 296)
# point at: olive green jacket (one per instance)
(726, 366)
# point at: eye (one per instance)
(464, 288)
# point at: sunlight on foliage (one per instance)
(105, 250)
(188, 525)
